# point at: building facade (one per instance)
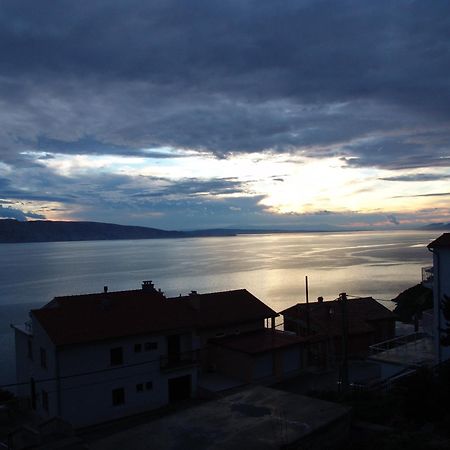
(98, 357)
(441, 296)
(363, 321)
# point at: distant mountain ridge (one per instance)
(13, 231)
(437, 226)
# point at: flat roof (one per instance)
(259, 341)
(257, 418)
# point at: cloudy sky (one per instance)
(184, 114)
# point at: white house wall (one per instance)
(441, 261)
(83, 392)
(27, 368)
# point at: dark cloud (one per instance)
(393, 219)
(417, 177)
(432, 194)
(193, 187)
(367, 82)
(235, 76)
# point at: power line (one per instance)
(108, 369)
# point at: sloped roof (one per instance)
(225, 308)
(93, 317)
(441, 241)
(259, 341)
(326, 317)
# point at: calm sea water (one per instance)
(272, 267)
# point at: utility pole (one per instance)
(344, 368)
(308, 324)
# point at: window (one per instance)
(45, 400)
(151, 346)
(116, 356)
(139, 387)
(149, 385)
(137, 348)
(43, 358)
(118, 396)
(30, 349)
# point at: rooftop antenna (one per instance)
(344, 370)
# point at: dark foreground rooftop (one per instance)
(257, 418)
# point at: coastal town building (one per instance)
(97, 357)
(364, 321)
(441, 296)
(237, 336)
(429, 345)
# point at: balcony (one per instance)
(427, 277)
(181, 360)
(412, 350)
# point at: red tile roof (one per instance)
(441, 241)
(93, 317)
(259, 341)
(85, 318)
(226, 308)
(326, 317)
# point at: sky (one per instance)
(189, 114)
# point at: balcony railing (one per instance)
(179, 360)
(397, 342)
(427, 275)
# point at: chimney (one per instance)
(105, 289)
(147, 286)
(320, 299)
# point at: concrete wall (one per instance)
(275, 364)
(229, 362)
(31, 368)
(83, 378)
(388, 370)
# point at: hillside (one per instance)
(437, 226)
(13, 231)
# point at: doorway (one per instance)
(179, 388)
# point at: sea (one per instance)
(273, 267)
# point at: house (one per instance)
(440, 248)
(264, 355)
(97, 357)
(366, 322)
(236, 332)
(403, 354)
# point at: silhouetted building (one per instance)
(441, 295)
(97, 357)
(367, 322)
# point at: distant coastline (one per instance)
(14, 231)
